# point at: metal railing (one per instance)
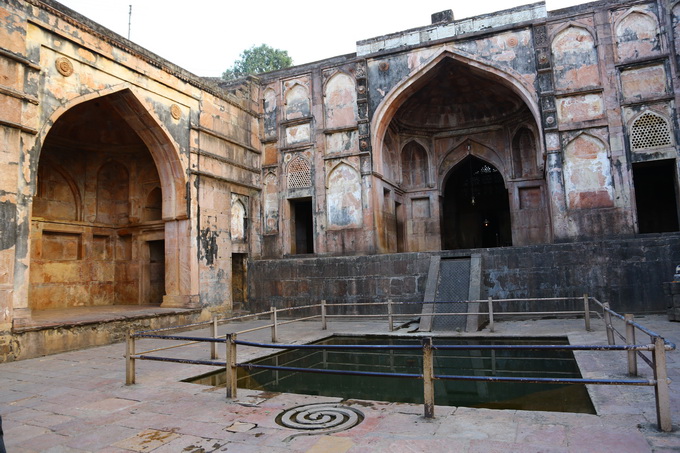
(657, 348)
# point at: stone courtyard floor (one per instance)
(78, 401)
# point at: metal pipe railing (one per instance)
(657, 347)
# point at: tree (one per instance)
(256, 60)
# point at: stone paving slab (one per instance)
(77, 402)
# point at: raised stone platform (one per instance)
(61, 330)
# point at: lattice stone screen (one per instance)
(299, 173)
(650, 131)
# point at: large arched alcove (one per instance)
(451, 106)
(108, 160)
(475, 207)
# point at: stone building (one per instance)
(543, 143)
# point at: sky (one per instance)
(205, 37)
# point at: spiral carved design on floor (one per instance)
(321, 418)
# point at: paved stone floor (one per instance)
(77, 401)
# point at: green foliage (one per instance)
(256, 60)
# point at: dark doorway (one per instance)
(655, 197)
(239, 291)
(156, 272)
(476, 210)
(303, 227)
(399, 209)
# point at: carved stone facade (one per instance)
(125, 180)
(515, 128)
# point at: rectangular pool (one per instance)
(498, 395)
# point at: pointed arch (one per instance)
(340, 101)
(524, 153)
(650, 130)
(343, 196)
(162, 147)
(637, 34)
(472, 148)
(587, 173)
(239, 214)
(297, 102)
(400, 93)
(415, 165)
(71, 204)
(299, 173)
(574, 56)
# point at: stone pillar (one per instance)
(181, 266)
(555, 180)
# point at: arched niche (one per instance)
(271, 204)
(110, 139)
(297, 102)
(58, 196)
(340, 101)
(154, 205)
(239, 214)
(587, 173)
(343, 197)
(415, 166)
(575, 59)
(390, 157)
(637, 35)
(524, 153)
(270, 109)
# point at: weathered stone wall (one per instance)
(124, 231)
(303, 281)
(626, 273)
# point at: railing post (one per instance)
(213, 346)
(275, 335)
(586, 311)
(129, 358)
(324, 325)
(389, 315)
(491, 326)
(608, 324)
(230, 366)
(663, 400)
(428, 378)
(630, 339)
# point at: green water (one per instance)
(499, 395)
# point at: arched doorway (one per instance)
(450, 109)
(106, 198)
(475, 207)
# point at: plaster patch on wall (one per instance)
(645, 82)
(421, 208)
(342, 142)
(580, 108)
(298, 134)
